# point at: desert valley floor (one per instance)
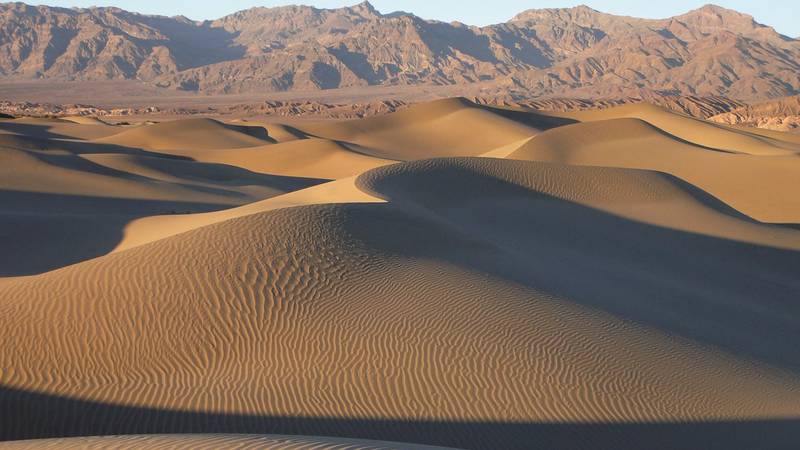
(448, 275)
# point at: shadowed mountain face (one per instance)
(709, 51)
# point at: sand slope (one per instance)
(190, 133)
(608, 285)
(771, 195)
(154, 228)
(57, 128)
(696, 131)
(73, 197)
(315, 158)
(500, 279)
(239, 442)
(452, 127)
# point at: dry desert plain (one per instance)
(448, 275)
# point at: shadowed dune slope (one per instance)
(63, 202)
(765, 188)
(486, 291)
(190, 134)
(700, 132)
(451, 127)
(210, 442)
(57, 128)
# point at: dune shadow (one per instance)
(75, 146)
(531, 118)
(731, 295)
(30, 415)
(295, 132)
(33, 130)
(40, 232)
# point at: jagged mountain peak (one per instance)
(717, 15)
(366, 6)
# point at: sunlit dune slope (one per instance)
(84, 120)
(150, 229)
(762, 187)
(451, 127)
(696, 131)
(190, 134)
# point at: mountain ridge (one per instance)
(540, 52)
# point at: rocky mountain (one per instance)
(577, 51)
(779, 114)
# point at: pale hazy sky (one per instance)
(784, 15)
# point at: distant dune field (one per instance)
(450, 275)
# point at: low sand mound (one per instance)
(283, 133)
(190, 134)
(68, 174)
(312, 158)
(762, 187)
(211, 442)
(490, 304)
(700, 132)
(56, 128)
(452, 127)
(84, 120)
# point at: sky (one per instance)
(783, 15)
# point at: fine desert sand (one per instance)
(451, 274)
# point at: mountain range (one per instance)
(577, 51)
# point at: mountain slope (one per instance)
(709, 51)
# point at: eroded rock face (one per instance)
(780, 114)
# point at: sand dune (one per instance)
(56, 128)
(280, 132)
(84, 120)
(452, 127)
(154, 228)
(696, 131)
(190, 133)
(608, 284)
(315, 158)
(773, 196)
(211, 442)
(76, 197)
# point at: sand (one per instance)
(212, 442)
(458, 276)
(636, 143)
